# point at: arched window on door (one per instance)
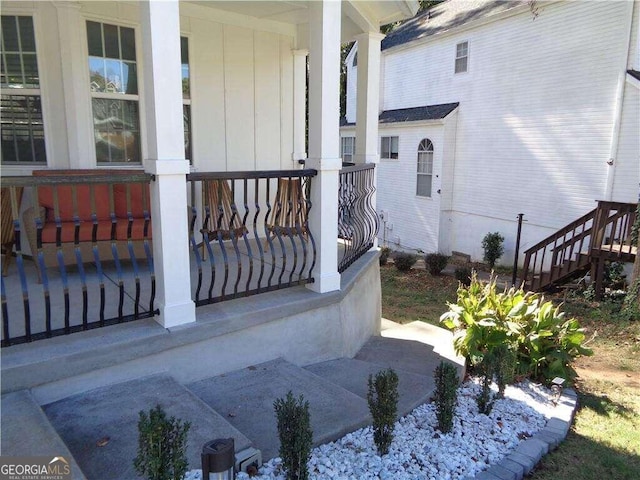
(425, 168)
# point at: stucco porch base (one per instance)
(296, 324)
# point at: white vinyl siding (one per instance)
(389, 148)
(425, 168)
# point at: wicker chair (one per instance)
(289, 211)
(223, 220)
(9, 213)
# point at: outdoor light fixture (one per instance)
(556, 388)
(218, 459)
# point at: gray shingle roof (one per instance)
(414, 114)
(446, 16)
(429, 112)
(634, 73)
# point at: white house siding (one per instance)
(535, 118)
(241, 84)
(626, 183)
(412, 221)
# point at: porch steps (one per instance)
(25, 428)
(110, 415)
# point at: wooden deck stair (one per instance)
(603, 234)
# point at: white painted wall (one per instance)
(241, 84)
(535, 119)
(626, 181)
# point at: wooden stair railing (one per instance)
(602, 234)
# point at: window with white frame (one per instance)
(114, 90)
(425, 168)
(462, 57)
(348, 148)
(389, 148)
(186, 97)
(21, 118)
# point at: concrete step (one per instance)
(111, 412)
(353, 374)
(245, 397)
(26, 431)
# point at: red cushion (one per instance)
(135, 193)
(68, 232)
(83, 198)
(137, 229)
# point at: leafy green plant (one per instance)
(504, 367)
(296, 437)
(162, 445)
(382, 397)
(435, 262)
(404, 261)
(463, 275)
(484, 319)
(493, 246)
(384, 255)
(485, 398)
(446, 377)
(613, 275)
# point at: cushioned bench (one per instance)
(119, 218)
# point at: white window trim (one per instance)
(189, 101)
(353, 147)
(31, 11)
(117, 96)
(418, 173)
(456, 57)
(382, 137)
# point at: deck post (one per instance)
(324, 139)
(165, 159)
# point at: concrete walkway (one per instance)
(99, 427)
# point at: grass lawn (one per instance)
(604, 441)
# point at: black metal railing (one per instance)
(249, 232)
(357, 218)
(82, 252)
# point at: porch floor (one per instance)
(234, 272)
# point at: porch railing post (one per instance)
(324, 137)
(165, 159)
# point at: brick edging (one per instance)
(527, 454)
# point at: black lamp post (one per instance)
(218, 459)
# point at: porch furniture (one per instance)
(8, 213)
(289, 211)
(86, 215)
(221, 218)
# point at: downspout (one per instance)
(617, 113)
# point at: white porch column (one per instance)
(324, 135)
(299, 105)
(165, 151)
(75, 81)
(367, 112)
(368, 89)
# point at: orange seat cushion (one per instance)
(68, 232)
(136, 192)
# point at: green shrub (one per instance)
(463, 275)
(504, 367)
(383, 405)
(435, 262)
(485, 398)
(543, 342)
(493, 246)
(162, 446)
(446, 395)
(404, 261)
(296, 437)
(384, 255)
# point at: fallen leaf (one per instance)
(102, 442)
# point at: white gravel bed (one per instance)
(420, 451)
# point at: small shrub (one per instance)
(162, 446)
(536, 331)
(504, 367)
(296, 437)
(446, 395)
(485, 399)
(436, 262)
(404, 261)
(493, 246)
(383, 405)
(384, 255)
(463, 275)
(613, 276)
